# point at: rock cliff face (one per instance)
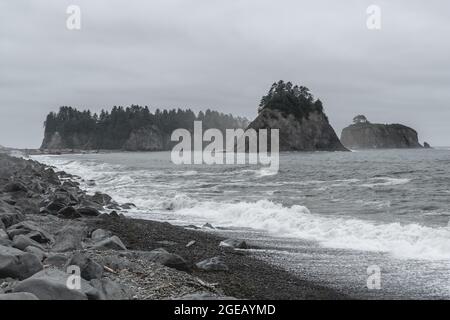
(379, 136)
(80, 141)
(52, 141)
(142, 139)
(146, 139)
(312, 133)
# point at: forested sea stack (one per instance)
(365, 135)
(133, 128)
(300, 118)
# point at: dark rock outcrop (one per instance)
(313, 133)
(69, 213)
(146, 139)
(300, 118)
(379, 136)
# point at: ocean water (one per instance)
(326, 216)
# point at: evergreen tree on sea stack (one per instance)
(300, 118)
(290, 99)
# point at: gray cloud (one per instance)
(224, 55)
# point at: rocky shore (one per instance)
(51, 231)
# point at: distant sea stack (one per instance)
(300, 118)
(365, 135)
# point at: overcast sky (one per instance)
(225, 55)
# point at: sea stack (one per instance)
(300, 118)
(365, 135)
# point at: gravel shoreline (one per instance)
(48, 224)
(247, 278)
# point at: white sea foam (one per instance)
(385, 181)
(405, 241)
(265, 172)
(189, 173)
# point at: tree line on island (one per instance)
(111, 130)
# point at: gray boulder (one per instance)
(101, 198)
(84, 202)
(17, 264)
(212, 264)
(111, 243)
(27, 206)
(56, 205)
(15, 186)
(3, 235)
(37, 252)
(165, 258)
(88, 211)
(108, 289)
(69, 213)
(89, 268)
(5, 242)
(18, 296)
(21, 242)
(114, 215)
(56, 260)
(32, 230)
(51, 284)
(66, 195)
(234, 243)
(100, 234)
(69, 239)
(128, 206)
(10, 218)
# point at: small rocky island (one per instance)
(300, 118)
(363, 134)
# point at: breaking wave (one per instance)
(150, 193)
(404, 241)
